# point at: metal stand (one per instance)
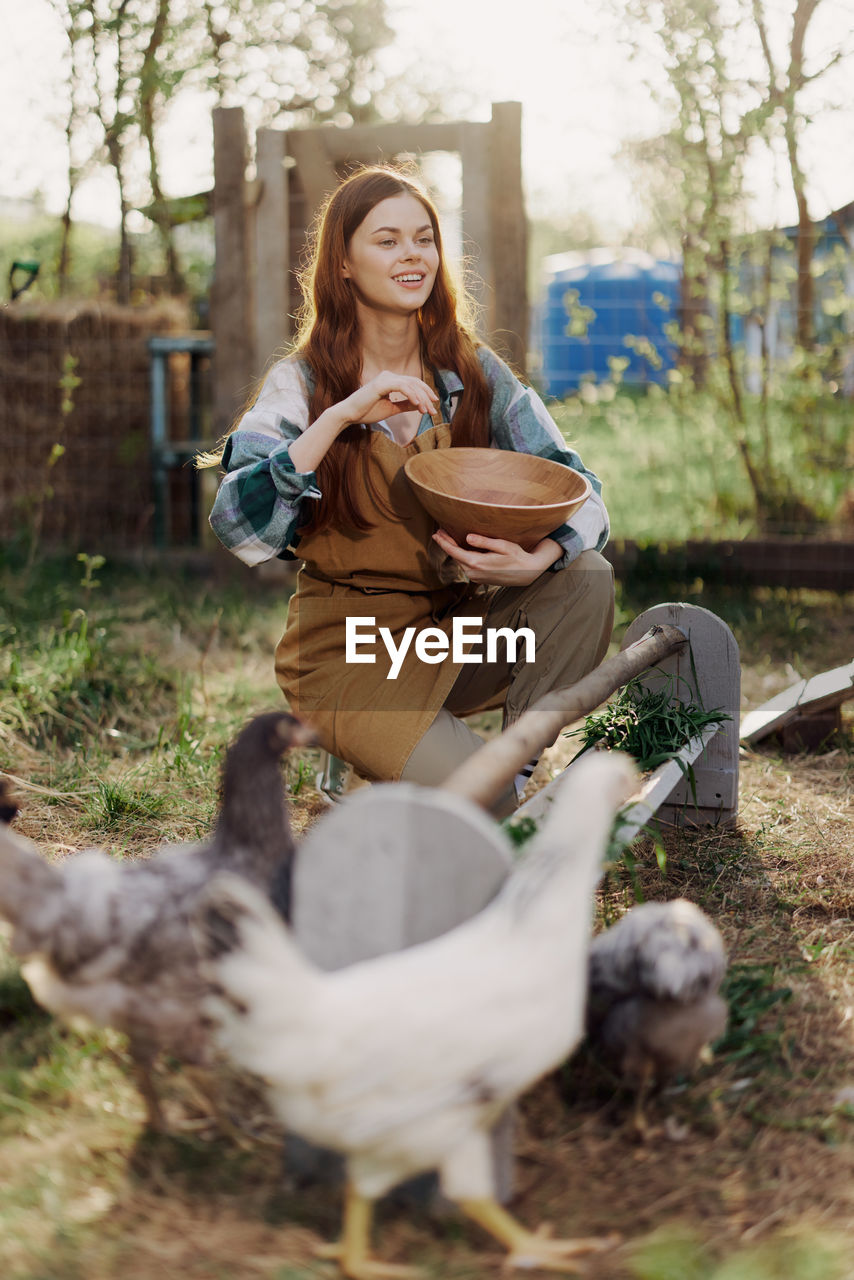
(166, 454)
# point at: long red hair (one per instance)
(329, 342)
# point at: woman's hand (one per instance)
(383, 397)
(497, 562)
(386, 395)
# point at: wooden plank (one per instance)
(660, 786)
(231, 290)
(819, 563)
(484, 775)
(474, 145)
(379, 143)
(654, 791)
(710, 671)
(314, 166)
(806, 698)
(509, 236)
(271, 246)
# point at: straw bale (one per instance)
(100, 489)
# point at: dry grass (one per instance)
(749, 1174)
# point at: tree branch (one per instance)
(484, 776)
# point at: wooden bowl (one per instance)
(496, 492)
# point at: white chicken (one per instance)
(108, 943)
(403, 1063)
(653, 998)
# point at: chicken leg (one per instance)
(532, 1248)
(352, 1251)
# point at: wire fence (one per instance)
(75, 423)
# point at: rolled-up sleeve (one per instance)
(262, 499)
(520, 421)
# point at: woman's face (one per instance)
(392, 257)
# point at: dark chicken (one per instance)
(109, 943)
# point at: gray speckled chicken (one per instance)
(403, 1063)
(108, 943)
(653, 1002)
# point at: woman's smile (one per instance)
(411, 279)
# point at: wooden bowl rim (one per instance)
(587, 487)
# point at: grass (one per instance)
(116, 730)
(651, 725)
(672, 469)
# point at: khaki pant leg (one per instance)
(445, 745)
(571, 613)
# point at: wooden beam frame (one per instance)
(232, 292)
(253, 292)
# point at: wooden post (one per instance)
(315, 167)
(270, 243)
(474, 145)
(707, 669)
(509, 247)
(231, 292)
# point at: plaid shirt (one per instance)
(263, 500)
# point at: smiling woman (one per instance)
(385, 368)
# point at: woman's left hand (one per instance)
(497, 562)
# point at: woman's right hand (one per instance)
(385, 396)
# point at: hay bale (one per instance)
(99, 491)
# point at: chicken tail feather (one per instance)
(26, 878)
(248, 955)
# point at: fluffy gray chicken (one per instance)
(109, 942)
(403, 1063)
(653, 1002)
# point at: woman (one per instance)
(385, 367)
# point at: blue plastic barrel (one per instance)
(623, 298)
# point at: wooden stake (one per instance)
(485, 774)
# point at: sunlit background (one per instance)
(590, 82)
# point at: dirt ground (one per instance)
(747, 1172)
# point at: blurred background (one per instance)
(673, 271)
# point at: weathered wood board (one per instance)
(708, 670)
(394, 865)
(818, 698)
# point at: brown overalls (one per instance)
(395, 574)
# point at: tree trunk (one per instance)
(149, 85)
(124, 268)
(805, 291)
(63, 262)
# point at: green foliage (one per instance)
(672, 468)
(520, 830)
(677, 1254)
(117, 803)
(751, 995)
(55, 680)
(580, 317)
(93, 254)
(650, 724)
(125, 64)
